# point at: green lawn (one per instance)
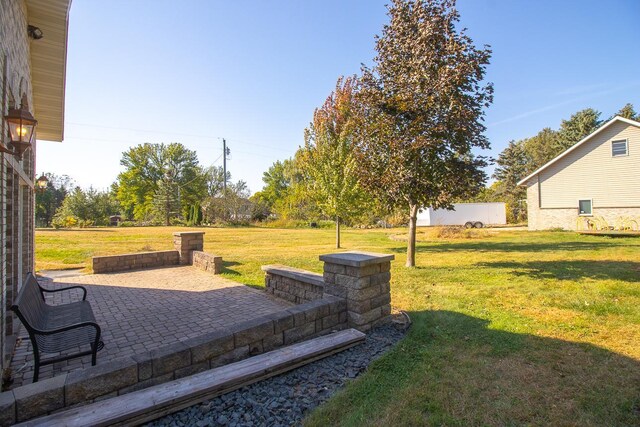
(510, 327)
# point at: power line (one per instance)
(128, 142)
(142, 130)
(175, 133)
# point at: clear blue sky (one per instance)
(194, 71)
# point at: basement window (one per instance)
(619, 148)
(585, 207)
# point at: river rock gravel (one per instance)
(284, 400)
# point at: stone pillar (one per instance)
(187, 242)
(363, 278)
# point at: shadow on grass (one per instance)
(627, 271)
(453, 369)
(230, 271)
(487, 246)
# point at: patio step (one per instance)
(154, 402)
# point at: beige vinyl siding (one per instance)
(591, 172)
(48, 65)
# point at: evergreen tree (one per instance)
(513, 165)
(578, 126)
(166, 200)
(540, 149)
(628, 112)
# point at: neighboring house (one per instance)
(599, 177)
(33, 43)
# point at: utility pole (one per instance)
(225, 152)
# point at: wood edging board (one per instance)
(154, 402)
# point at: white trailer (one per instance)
(468, 214)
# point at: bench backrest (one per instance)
(29, 304)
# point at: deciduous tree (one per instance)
(421, 110)
(147, 166)
(328, 161)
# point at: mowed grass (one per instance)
(509, 327)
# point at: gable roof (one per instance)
(616, 119)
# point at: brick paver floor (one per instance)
(143, 310)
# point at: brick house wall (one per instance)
(16, 176)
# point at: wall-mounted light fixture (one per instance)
(34, 32)
(42, 182)
(21, 128)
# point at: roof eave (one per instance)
(49, 65)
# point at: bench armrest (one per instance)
(84, 290)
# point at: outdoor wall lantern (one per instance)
(34, 32)
(21, 127)
(42, 182)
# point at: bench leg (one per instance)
(36, 365)
(94, 350)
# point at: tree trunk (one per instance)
(411, 244)
(337, 232)
(166, 219)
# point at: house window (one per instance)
(584, 207)
(619, 148)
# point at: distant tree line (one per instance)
(162, 184)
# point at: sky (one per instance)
(253, 71)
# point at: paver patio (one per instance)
(143, 310)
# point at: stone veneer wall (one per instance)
(174, 361)
(293, 284)
(114, 263)
(364, 280)
(207, 262)
(186, 243)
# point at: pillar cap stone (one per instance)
(188, 233)
(356, 259)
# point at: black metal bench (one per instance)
(56, 328)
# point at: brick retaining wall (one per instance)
(186, 243)
(125, 262)
(362, 279)
(293, 284)
(207, 262)
(174, 361)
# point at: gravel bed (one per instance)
(285, 399)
